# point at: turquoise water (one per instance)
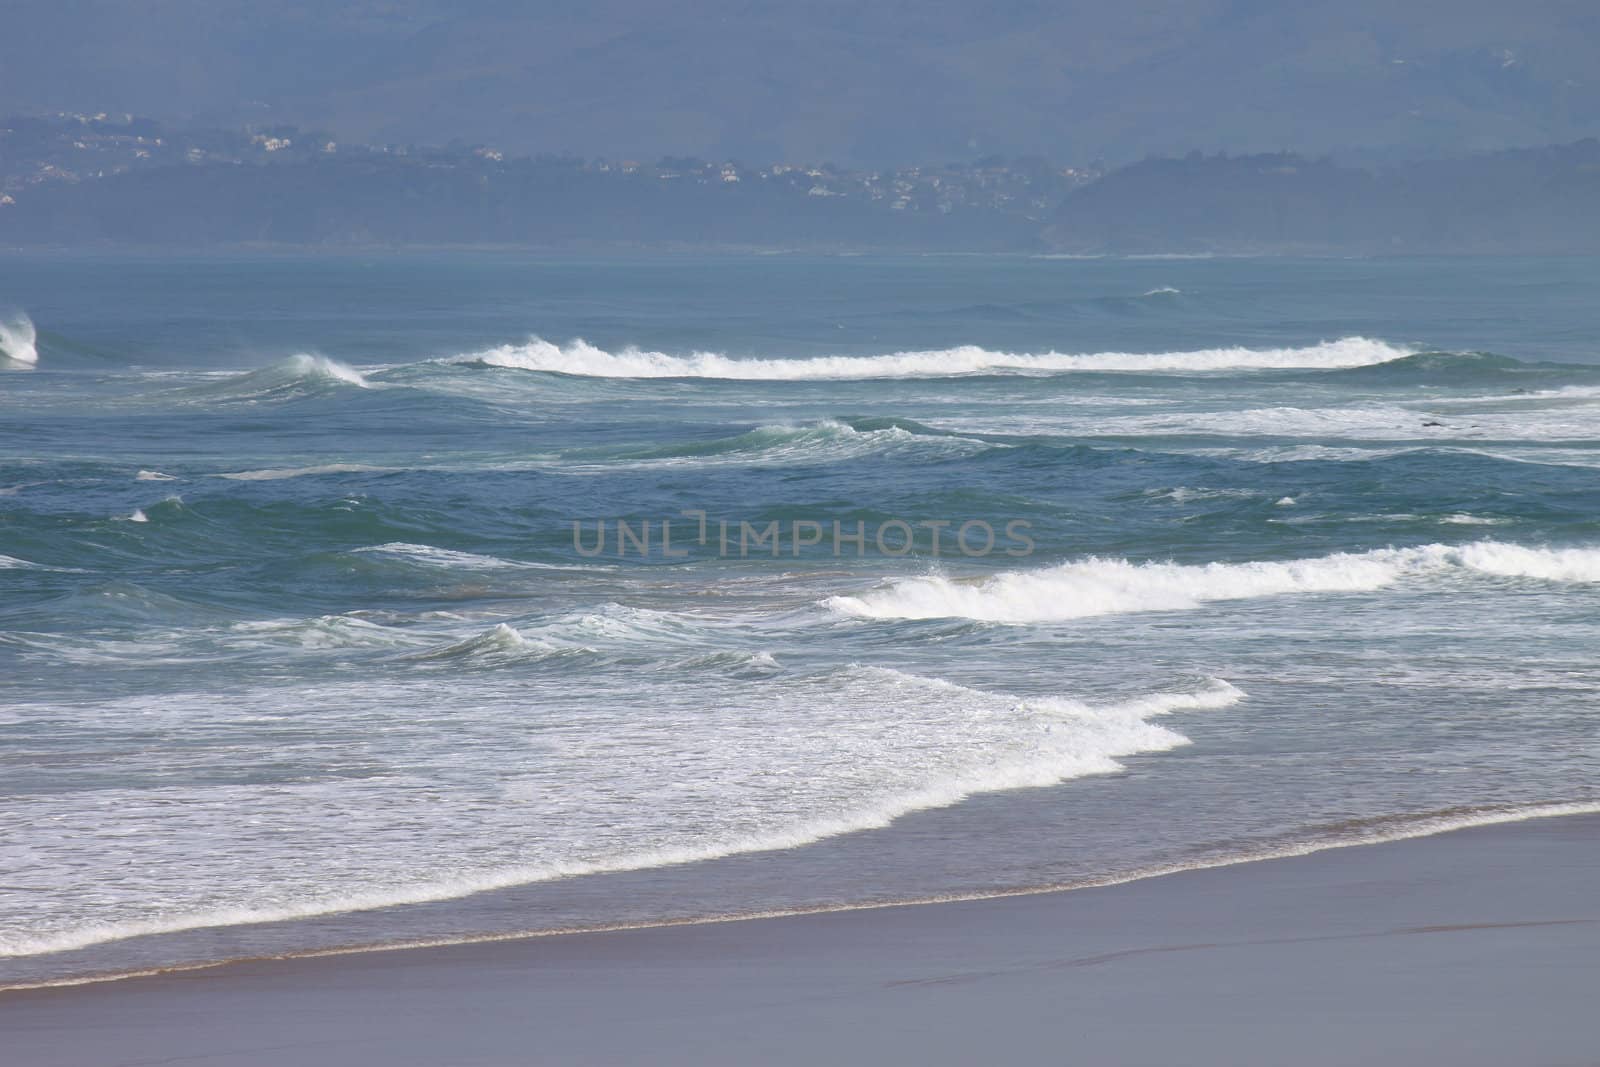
(979, 574)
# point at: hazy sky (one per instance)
(857, 82)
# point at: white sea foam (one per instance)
(1099, 586)
(1533, 398)
(822, 441)
(582, 358)
(153, 476)
(450, 559)
(1520, 561)
(498, 640)
(931, 744)
(1301, 453)
(1318, 427)
(1464, 519)
(625, 627)
(279, 473)
(1184, 494)
(1378, 422)
(322, 632)
(18, 341)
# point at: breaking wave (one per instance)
(19, 341)
(583, 359)
(303, 374)
(1099, 586)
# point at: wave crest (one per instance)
(1101, 586)
(303, 374)
(583, 359)
(19, 341)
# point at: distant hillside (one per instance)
(1539, 200)
(861, 84)
(90, 181)
(79, 179)
(400, 202)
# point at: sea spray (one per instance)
(299, 375)
(19, 341)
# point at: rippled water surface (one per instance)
(358, 600)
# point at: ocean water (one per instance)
(373, 600)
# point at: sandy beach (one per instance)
(1480, 946)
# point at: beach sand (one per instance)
(1480, 946)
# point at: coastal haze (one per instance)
(1180, 127)
(856, 84)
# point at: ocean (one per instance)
(380, 599)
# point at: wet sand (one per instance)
(1480, 946)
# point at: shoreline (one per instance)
(1482, 935)
(1385, 831)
